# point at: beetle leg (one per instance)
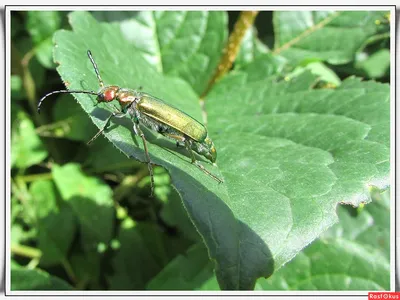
(117, 114)
(177, 138)
(197, 164)
(140, 133)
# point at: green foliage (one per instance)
(55, 222)
(186, 44)
(250, 49)
(352, 255)
(86, 195)
(333, 36)
(41, 25)
(296, 135)
(26, 147)
(22, 279)
(70, 119)
(356, 254)
(191, 271)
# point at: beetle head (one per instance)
(107, 94)
(212, 153)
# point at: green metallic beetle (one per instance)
(154, 114)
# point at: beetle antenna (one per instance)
(63, 92)
(96, 69)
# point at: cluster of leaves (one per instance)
(296, 135)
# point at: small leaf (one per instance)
(24, 280)
(74, 123)
(18, 234)
(85, 266)
(15, 265)
(17, 92)
(91, 201)
(376, 65)
(44, 53)
(26, 147)
(332, 36)
(186, 44)
(133, 264)
(56, 223)
(192, 271)
(323, 72)
(41, 25)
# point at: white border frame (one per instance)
(194, 293)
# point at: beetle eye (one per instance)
(100, 98)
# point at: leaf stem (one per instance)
(34, 177)
(30, 87)
(112, 167)
(33, 263)
(50, 130)
(68, 269)
(306, 33)
(244, 22)
(81, 285)
(128, 183)
(28, 81)
(25, 251)
(374, 39)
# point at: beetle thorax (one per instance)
(126, 96)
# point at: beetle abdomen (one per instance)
(160, 111)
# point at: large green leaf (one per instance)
(116, 160)
(187, 44)
(332, 36)
(174, 213)
(288, 154)
(300, 152)
(352, 255)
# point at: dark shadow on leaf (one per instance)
(55, 235)
(240, 255)
(103, 114)
(133, 264)
(96, 221)
(230, 242)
